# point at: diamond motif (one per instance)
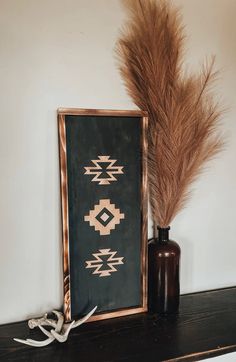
(102, 267)
(104, 217)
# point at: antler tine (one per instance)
(63, 337)
(82, 320)
(60, 322)
(32, 343)
(46, 332)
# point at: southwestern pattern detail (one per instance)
(104, 217)
(104, 170)
(104, 262)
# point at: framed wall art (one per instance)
(104, 211)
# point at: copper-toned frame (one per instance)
(62, 112)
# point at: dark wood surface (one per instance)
(205, 327)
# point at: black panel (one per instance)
(87, 138)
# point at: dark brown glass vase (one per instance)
(163, 273)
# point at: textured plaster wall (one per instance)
(60, 53)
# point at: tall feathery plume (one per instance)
(183, 117)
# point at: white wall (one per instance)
(225, 358)
(60, 53)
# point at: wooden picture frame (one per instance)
(79, 130)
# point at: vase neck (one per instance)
(163, 234)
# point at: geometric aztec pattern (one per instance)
(104, 170)
(104, 217)
(104, 262)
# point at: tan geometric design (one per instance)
(98, 263)
(104, 165)
(104, 217)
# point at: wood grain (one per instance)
(65, 216)
(101, 112)
(144, 211)
(205, 327)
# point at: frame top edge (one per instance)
(101, 112)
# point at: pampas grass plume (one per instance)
(183, 116)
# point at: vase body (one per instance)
(163, 274)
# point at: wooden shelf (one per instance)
(205, 327)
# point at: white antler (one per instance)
(62, 337)
(85, 318)
(60, 332)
